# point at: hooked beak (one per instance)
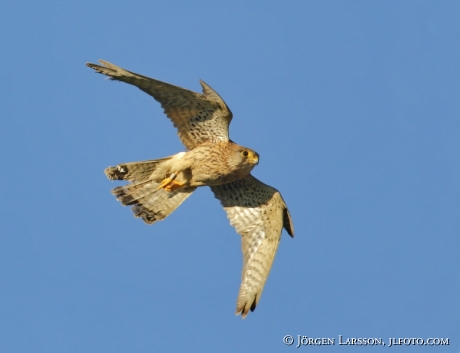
(254, 159)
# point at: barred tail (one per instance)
(134, 171)
(149, 202)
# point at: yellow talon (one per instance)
(173, 185)
(169, 184)
(165, 183)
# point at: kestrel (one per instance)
(158, 187)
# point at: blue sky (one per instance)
(354, 109)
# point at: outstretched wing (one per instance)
(198, 117)
(258, 213)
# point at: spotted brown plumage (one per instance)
(197, 117)
(158, 187)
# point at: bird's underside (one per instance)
(157, 187)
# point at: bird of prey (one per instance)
(157, 187)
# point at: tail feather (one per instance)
(130, 194)
(149, 202)
(133, 171)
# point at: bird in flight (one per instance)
(158, 186)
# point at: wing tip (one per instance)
(244, 308)
(106, 68)
(211, 94)
(287, 222)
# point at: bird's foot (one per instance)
(170, 184)
(174, 185)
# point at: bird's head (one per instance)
(245, 158)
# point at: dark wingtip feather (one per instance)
(287, 222)
(254, 303)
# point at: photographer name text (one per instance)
(300, 340)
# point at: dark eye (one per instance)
(245, 153)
